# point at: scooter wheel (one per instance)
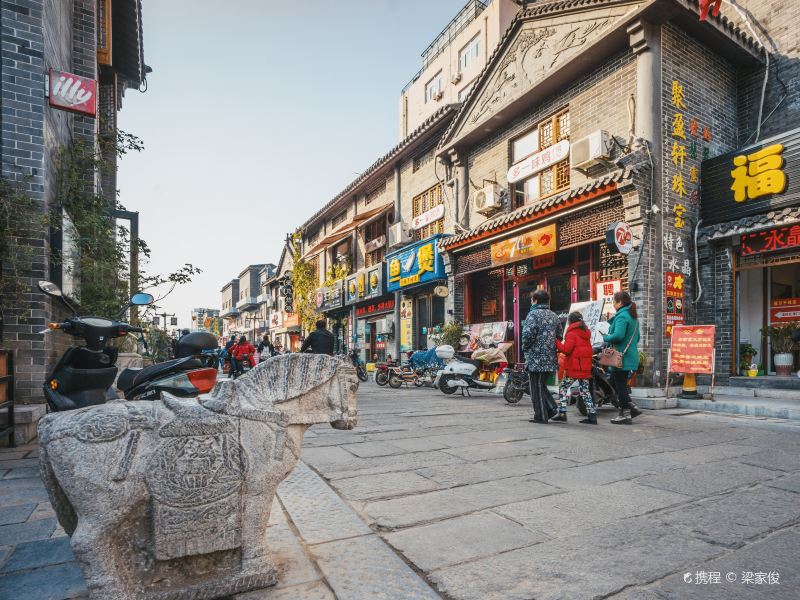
(362, 374)
(419, 381)
(444, 387)
(512, 394)
(381, 378)
(395, 382)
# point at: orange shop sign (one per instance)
(785, 310)
(692, 349)
(532, 243)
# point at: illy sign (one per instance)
(73, 92)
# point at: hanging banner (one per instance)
(674, 301)
(406, 324)
(533, 243)
(692, 349)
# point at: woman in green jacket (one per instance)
(623, 336)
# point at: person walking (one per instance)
(229, 346)
(623, 336)
(577, 348)
(539, 333)
(319, 341)
(265, 348)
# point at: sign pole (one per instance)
(713, 372)
(669, 366)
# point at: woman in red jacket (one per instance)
(244, 347)
(577, 347)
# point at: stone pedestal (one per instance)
(26, 419)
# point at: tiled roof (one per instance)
(541, 9)
(773, 218)
(436, 118)
(528, 212)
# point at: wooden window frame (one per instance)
(104, 52)
(422, 203)
(554, 121)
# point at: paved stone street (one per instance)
(463, 498)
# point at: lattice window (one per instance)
(423, 203)
(562, 175)
(613, 266)
(546, 134)
(472, 261)
(423, 159)
(553, 179)
(563, 125)
(339, 219)
(375, 194)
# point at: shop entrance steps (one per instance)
(752, 406)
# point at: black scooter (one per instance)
(84, 375)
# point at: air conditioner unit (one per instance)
(590, 151)
(438, 96)
(455, 78)
(487, 200)
(399, 235)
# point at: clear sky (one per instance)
(257, 113)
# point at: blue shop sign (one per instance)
(415, 265)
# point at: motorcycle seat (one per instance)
(130, 378)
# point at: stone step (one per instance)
(739, 405)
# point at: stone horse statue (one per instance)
(170, 499)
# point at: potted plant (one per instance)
(746, 353)
(751, 370)
(782, 341)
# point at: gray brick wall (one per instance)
(37, 35)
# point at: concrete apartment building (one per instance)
(100, 41)
(453, 60)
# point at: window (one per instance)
(375, 194)
(469, 53)
(373, 231)
(423, 203)
(551, 180)
(420, 160)
(463, 92)
(433, 87)
(339, 219)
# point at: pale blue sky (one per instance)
(256, 114)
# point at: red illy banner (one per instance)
(692, 349)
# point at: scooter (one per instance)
(361, 372)
(84, 376)
(480, 373)
(242, 366)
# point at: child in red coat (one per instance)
(577, 348)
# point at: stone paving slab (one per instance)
(463, 538)
(389, 464)
(365, 568)
(776, 553)
(58, 582)
(620, 555)
(27, 532)
(15, 514)
(40, 553)
(784, 460)
(371, 449)
(790, 482)
(384, 485)
(315, 509)
(504, 450)
(704, 480)
(305, 591)
(732, 518)
(574, 478)
(21, 472)
(430, 506)
(488, 470)
(589, 508)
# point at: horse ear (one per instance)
(290, 376)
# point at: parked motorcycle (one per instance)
(479, 372)
(361, 370)
(382, 373)
(84, 376)
(600, 386)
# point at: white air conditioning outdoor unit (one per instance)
(399, 235)
(455, 78)
(590, 151)
(487, 200)
(438, 96)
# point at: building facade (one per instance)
(96, 46)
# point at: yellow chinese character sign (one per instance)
(758, 174)
(677, 95)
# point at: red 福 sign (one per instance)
(692, 349)
(770, 240)
(73, 92)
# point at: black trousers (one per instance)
(619, 379)
(544, 407)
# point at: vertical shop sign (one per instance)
(674, 297)
(406, 324)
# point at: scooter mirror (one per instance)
(142, 299)
(50, 288)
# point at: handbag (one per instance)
(611, 357)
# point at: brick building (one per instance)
(572, 127)
(100, 40)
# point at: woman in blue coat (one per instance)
(623, 336)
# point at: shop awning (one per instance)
(368, 214)
(531, 212)
(342, 232)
